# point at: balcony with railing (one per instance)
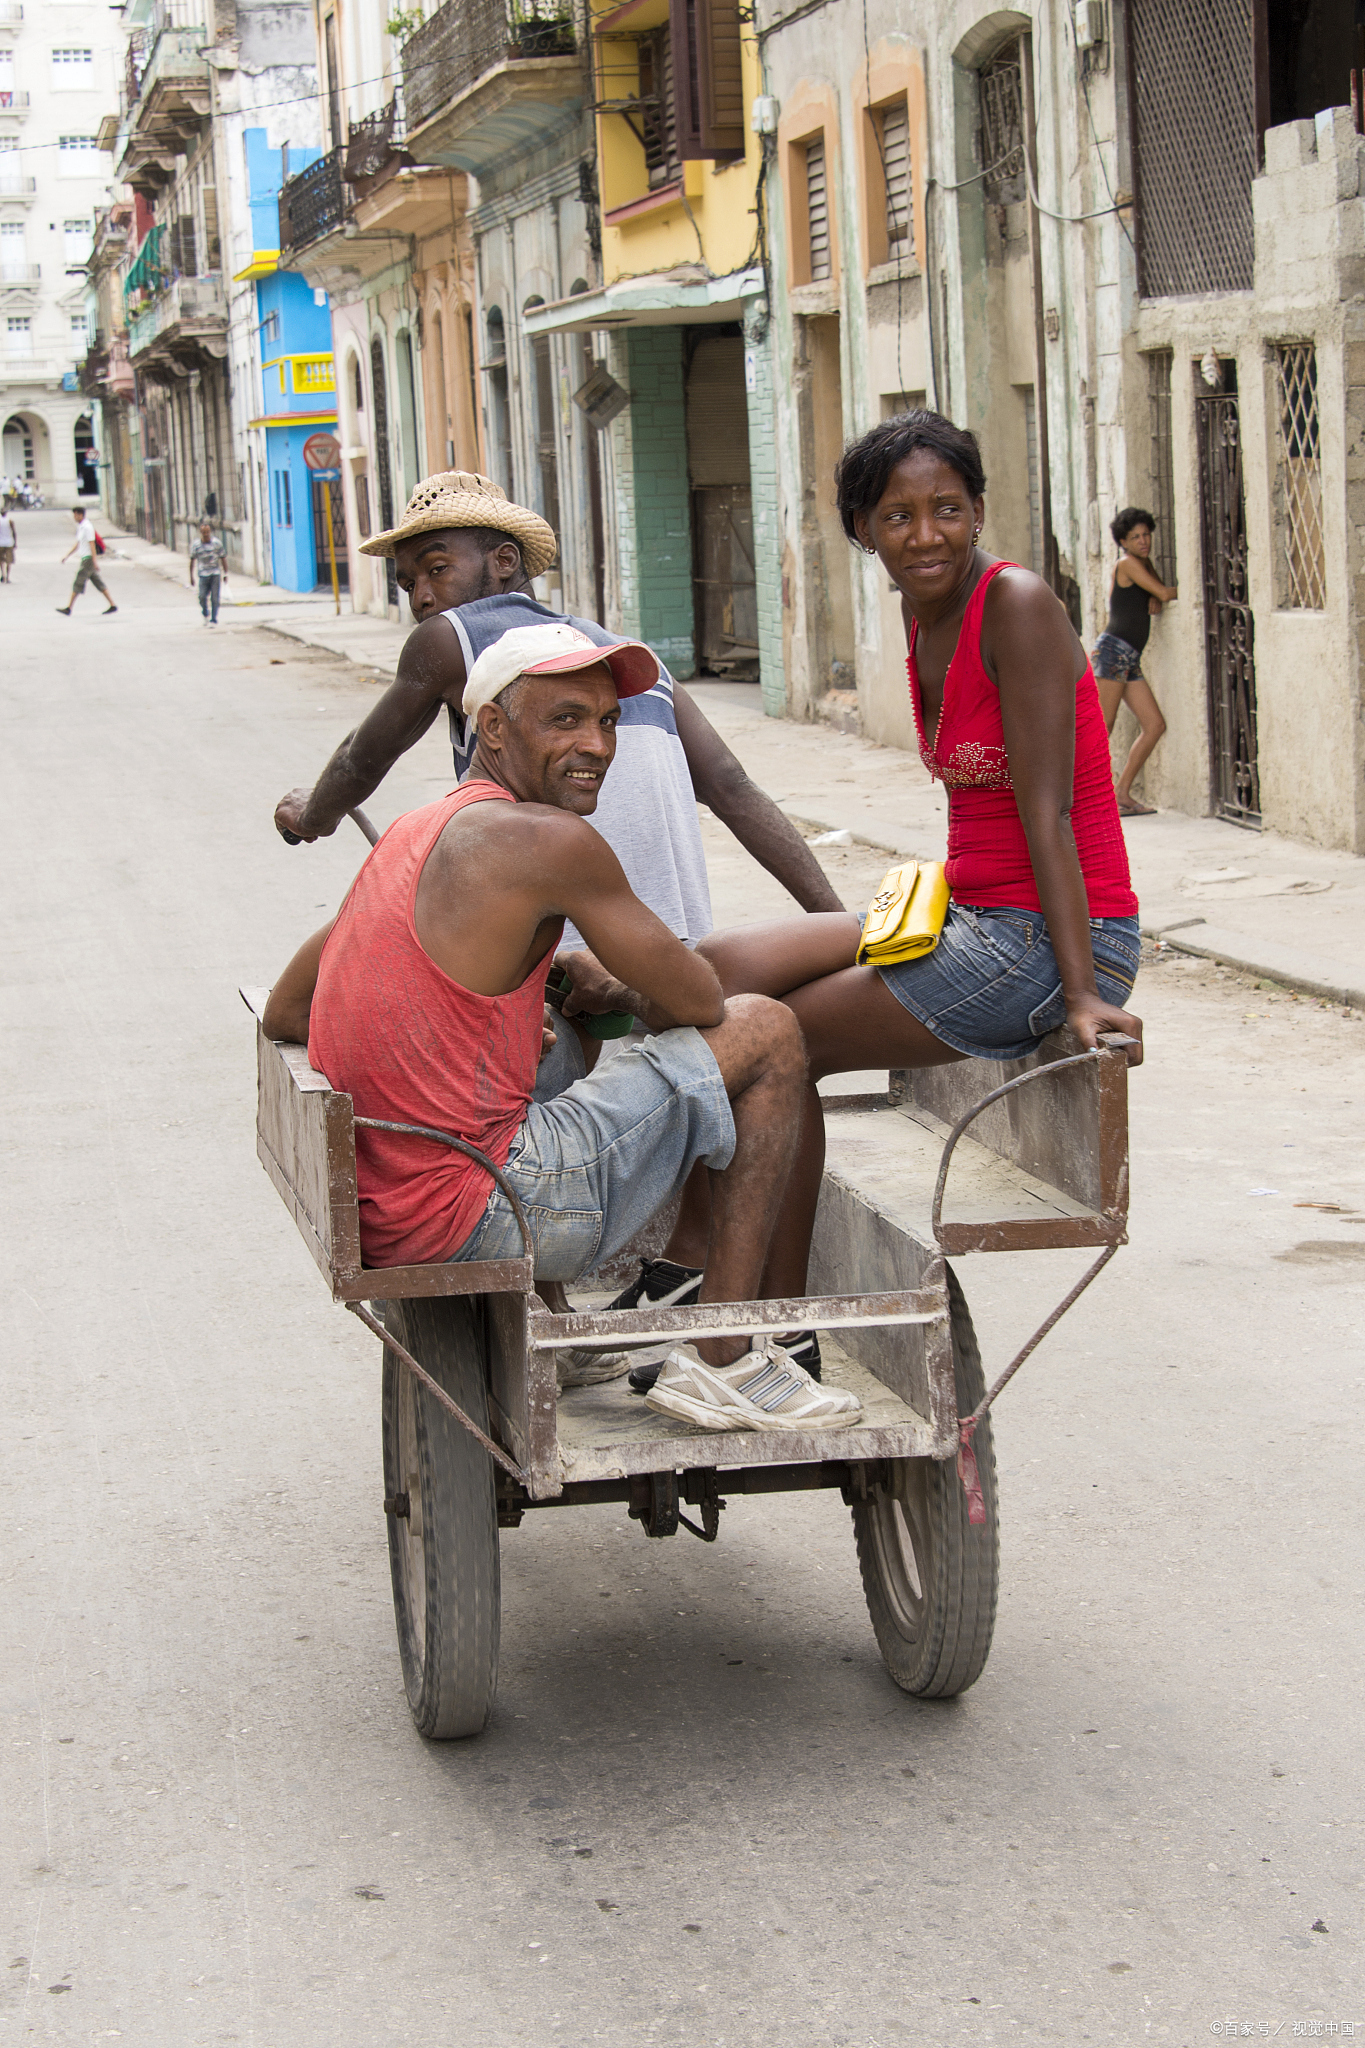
(15, 186)
(11, 14)
(315, 203)
(184, 324)
(15, 104)
(487, 79)
(165, 95)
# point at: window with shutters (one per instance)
(76, 239)
(1162, 463)
(889, 219)
(708, 82)
(658, 110)
(817, 210)
(894, 126)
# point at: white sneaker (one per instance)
(583, 1368)
(765, 1389)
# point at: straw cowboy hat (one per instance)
(461, 497)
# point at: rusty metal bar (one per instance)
(495, 1451)
(1114, 1042)
(969, 1422)
(735, 1318)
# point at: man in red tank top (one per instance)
(424, 1001)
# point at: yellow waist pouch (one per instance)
(906, 915)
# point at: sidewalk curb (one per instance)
(1275, 963)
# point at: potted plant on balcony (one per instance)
(535, 34)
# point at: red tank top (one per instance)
(411, 1045)
(988, 858)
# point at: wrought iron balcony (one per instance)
(467, 40)
(315, 203)
(15, 104)
(371, 143)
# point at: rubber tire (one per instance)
(443, 1555)
(935, 1645)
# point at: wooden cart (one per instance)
(476, 1433)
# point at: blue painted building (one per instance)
(298, 385)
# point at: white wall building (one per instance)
(59, 69)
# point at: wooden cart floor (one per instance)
(606, 1432)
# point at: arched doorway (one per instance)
(86, 457)
(18, 457)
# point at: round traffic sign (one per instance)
(322, 451)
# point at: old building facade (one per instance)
(1123, 243)
(59, 70)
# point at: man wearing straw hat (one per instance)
(465, 556)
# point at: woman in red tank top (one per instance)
(1042, 927)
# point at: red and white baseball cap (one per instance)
(556, 650)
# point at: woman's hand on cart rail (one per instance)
(1093, 1020)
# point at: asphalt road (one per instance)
(702, 1815)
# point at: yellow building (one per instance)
(682, 394)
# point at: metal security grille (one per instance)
(1194, 144)
(817, 210)
(1162, 463)
(1002, 128)
(1229, 628)
(895, 124)
(1304, 563)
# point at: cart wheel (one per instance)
(932, 1578)
(443, 1522)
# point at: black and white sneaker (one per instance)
(661, 1285)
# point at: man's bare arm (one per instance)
(723, 785)
(290, 1003)
(660, 980)
(431, 671)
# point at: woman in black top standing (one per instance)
(1135, 600)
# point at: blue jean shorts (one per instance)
(1115, 661)
(991, 988)
(599, 1153)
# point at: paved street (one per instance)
(702, 1814)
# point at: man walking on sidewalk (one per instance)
(86, 568)
(207, 556)
(8, 543)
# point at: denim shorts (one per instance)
(991, 989)
(1115, 661)
(599, 1153)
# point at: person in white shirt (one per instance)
(87, 570)
(9, 541)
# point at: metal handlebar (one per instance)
(296, 838)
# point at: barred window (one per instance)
(1002, 127)
(1303, 567)
(895, 155)
(1161, 463)
(817, 210)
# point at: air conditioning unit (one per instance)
(1090, 23)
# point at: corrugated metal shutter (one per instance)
(717, 413)
(896, 172)
(817, 209)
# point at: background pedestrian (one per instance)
(1134, 601)
(86, 569)
(207, 557)
(9, 541)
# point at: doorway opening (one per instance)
(1229, 627)
(322, 557)
(824, 544)
(724, 584)
(87, 459)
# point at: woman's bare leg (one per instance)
(1111, 690)
(849, 1020)
(1151, 725)
(760, 960)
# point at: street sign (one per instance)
(325, 476)
(322, 451)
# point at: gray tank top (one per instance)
(647, 812)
